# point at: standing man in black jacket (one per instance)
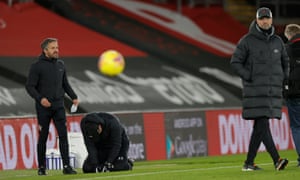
(47, 84)
(292, 33)
(106, 142)
(260, 59)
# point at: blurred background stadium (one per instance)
(177, 73)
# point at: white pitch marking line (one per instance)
(163, 172)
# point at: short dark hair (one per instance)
(46, 41)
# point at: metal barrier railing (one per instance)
(206, 3)
(280, 8)
(11, 2)
(193, 3)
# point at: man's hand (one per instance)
(75, 102)
(107, 167)
(45, 102)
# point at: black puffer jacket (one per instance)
(293, 50)
(261, 61)
(47, 78)
(113, 138)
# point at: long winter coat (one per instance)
(293, 50)
(262, 63)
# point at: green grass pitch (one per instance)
(213, 167)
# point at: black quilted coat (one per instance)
(262, 62)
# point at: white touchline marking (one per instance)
(163, 172)
(149, 173)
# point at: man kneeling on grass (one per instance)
(107, 143)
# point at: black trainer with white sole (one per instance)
(250, 167)
(281, 164)
(69, 170)
(42, 171)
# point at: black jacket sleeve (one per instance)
(32, 83)
(239, 61)
(68, 89)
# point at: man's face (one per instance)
(264, 23)
(52, 50)
(93, 131)
(99, 129)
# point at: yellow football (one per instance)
(111, 63)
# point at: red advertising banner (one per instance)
(155, 137)
(18, 139)
(228, 133)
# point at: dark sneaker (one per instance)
(250, 167)
(281, 164)
(69, 170)
(42, 171)
(130, 161)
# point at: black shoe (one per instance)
(281, 164)
(42, 171)
(130, 161)
(69, 170)
(250, 167)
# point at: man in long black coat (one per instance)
(106, 142)
(260, 59)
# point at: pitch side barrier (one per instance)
(153, 136)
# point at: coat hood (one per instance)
(89, 126)
(45, 58)
(94, 118)
(256, 31)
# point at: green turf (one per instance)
(217, 167)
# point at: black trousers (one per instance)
(261, 133)
(44, 116)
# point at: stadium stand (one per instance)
(99, 25)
